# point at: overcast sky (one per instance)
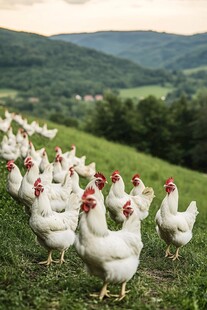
(49, 17)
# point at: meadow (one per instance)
(195, 70)
(5, 92)
(145, 91)
(159, 282)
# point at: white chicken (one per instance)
(26, 192)
(14, 179)
(86, 171)
(11, 136)
(117, 197)
(19, 136)
(174, 227)
(70, 156)
(18, 119)
(8, 149)
(146, 194)
(54, 231)
(35, 154)
(48, 133)
(75, 182)
(44, 161)
(57, 193)
(138, 185)
(24, 145)
(58, 172)
(97, 183)
(112, 256)
(5, 124)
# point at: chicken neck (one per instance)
(118, 188)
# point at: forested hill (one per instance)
(29, 61)
(147, 48)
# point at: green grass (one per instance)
(159, 282)
(194, 70)
(4, 92)
(144, 91)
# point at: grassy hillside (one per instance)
(144, 91)
(195, 70)
(47, 68)
(147, 48)
(159, 282)
(8, 93)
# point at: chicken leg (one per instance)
(49, 259)
(167, 252)
(176, 255)
(62, 257)
(104, 292)
(123, 292)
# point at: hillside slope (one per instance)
(147, 48)
(27, 285)
(30, 61)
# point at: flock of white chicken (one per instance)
(15, 146)
(62, 214)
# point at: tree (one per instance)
(153, 127)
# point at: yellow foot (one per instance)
(168, 253)
(100, 295)
(174, 257)
(61, 261)
(48, 262)
(120, 296)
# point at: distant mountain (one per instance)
(29, 61)
(147, 48)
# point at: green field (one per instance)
(8, 93)
(194, 70)
(159, 282)
(145, 91)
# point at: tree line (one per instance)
(175, 132)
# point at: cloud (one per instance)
(10, 4)
(77, 1)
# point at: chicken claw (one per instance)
(176, 255)
(122, 293)
(49, 260)
(62, 258)
(167, 252)
(104, 292)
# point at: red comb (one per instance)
(37, 182)
(170, 180)
(127, 204)
(136, 176)
(100, 175)
(71, 169)
(10, 162)
(27, 159)
(88, 191)
(115, 172)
